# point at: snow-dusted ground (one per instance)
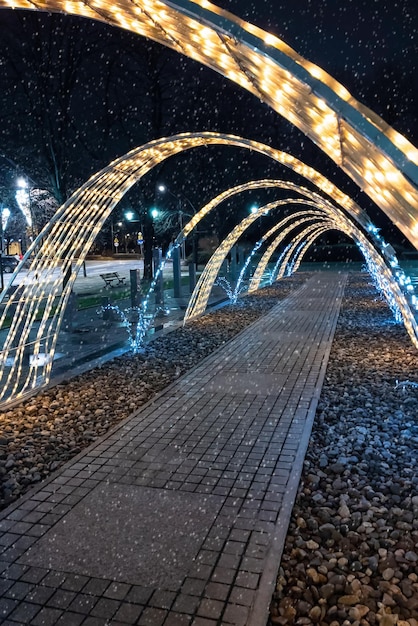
(351, 555)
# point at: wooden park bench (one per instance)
(111, 277)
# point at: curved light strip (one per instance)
(40, 302)
(200, 296)
(262, 264)
(387, 282)
(297, 259)
(381, 161)
(356, 212)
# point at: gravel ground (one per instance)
(44, 432)
(351, 554)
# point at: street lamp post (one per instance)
(181, 213)
(254, 209)
(113, 235)
(133, 218)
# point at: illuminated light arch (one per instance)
(297, 260)
(355, 212)
(380, 160)
(75, 227)
(262, 264)
(305, 236)
(382, 276)
(200, 296)
(374, 259)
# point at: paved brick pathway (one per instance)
(178, 516)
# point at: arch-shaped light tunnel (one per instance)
(302, 241)
(200, 296)
(39, 304)
(375, 259)
(381, 161)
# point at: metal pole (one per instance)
(192, 276)
(159, 291)
(176, 273)
(135, 282)
(1, 272)
(183, 244)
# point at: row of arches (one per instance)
(39, 305)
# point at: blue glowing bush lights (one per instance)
(381, 283)
(278, 264)
(231, 292)
(234, 292)
(290, 267)
(136, 321)
(238, 289)
(405, 383)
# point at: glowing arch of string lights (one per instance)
(382, 275)
(375, 260)
(379, 159)
(409, 300)
(284, 232)
(298, 258)
(200, 296)
(304, 238)
(42, 298)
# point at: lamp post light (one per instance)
(163, 189)
(133, 217)
(155, 214)
(254, 209)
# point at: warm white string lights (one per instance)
(200, 296)
(284, 232)
(304, 238)
(379, 159)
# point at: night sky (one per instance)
(352, 34)
(370, 46)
